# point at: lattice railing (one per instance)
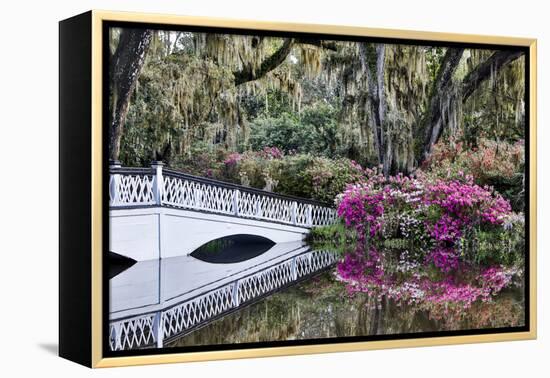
(196, 311)
(131, 189)
(266, 281)
(153, 328)
(137, 186)
(133, 333)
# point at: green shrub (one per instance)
(336, 237)
(503, 245)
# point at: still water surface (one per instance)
(320, 308)
(317, 307)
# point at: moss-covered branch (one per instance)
(249, 73)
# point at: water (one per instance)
(278, 292)
(320, 308)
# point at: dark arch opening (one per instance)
(118, 264)
(233, 249)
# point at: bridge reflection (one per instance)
(155, 301)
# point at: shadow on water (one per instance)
(118, 264)
(233, 249)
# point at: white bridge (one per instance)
(158, 217)
(159, 213)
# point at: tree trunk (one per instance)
(125, 66)
(443, 83)
(373, 61)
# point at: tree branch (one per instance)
(484, 70)
(470, 83)
(248, 73)
(272, 62)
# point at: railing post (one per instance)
(236, 195)
(197, 195)
(117, 343)
(310, 215)
(294, 210)
(114, 183)
(236, 294)
(258, 208)
(158, 329)
(158, 182)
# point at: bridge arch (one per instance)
(233, 249)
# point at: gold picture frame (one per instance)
(92, 24)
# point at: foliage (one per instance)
(173, 105)
(296, 174)
(285, 132)
(496, 111)
(312, 131)
(335, 237)
(497, 164)
(503, 245)
(315, 100)
(203, 160)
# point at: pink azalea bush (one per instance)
(361, 207)
(446, 208)
(232, 159)
(461, 205)
(500, 164)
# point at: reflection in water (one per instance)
(369, 291)
(151, 285)
(233, 248)
(185, 293)
(375, 292)
(320, 308)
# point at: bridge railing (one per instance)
(155, 328)
(133, 187)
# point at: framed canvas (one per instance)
(235, 189)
